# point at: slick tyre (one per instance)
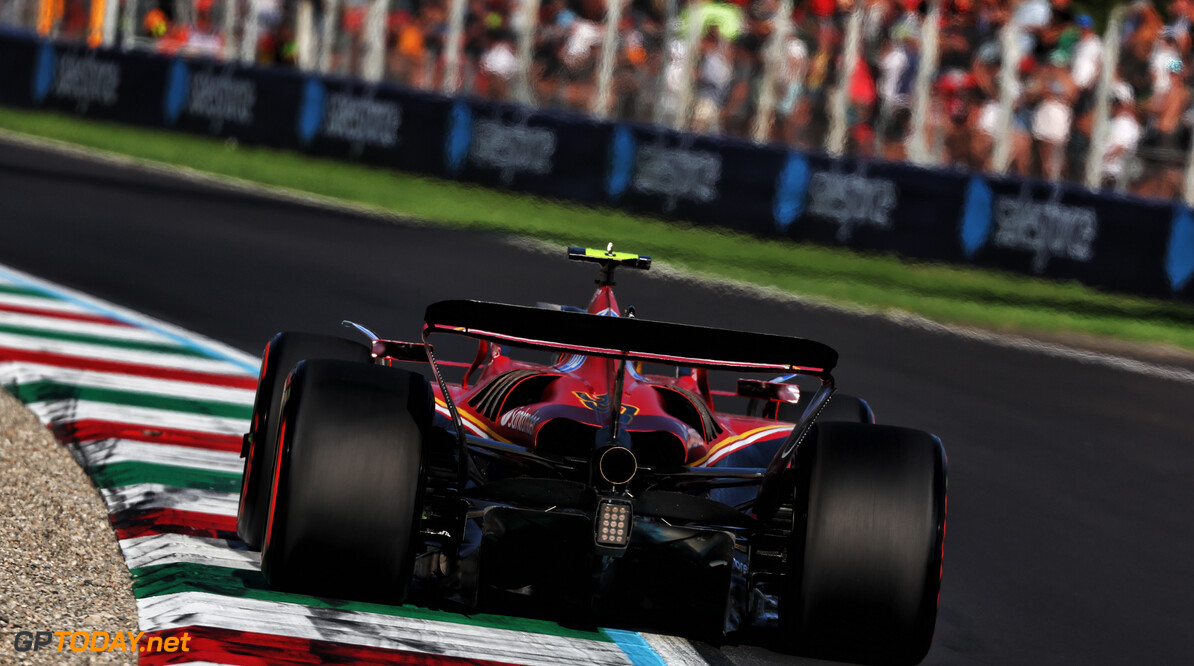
(866, 546)
(282, 353)
(841, 407)
(346, 502)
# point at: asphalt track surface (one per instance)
(1071, 509)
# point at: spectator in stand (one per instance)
(555, 21)
(405, 57)
(1087, 61)
(897, 64)
(986, 72)
(1179, 12)
(1168, 109)
(1164, 53)
(822, 75)
(1122, 137)
(1142, 26)
(1060, 33)
(1032, 16)
(1055, 92)
(954, 92)
(498, 65)
(791, 84)
(743, 99)
(714, 74)
(1088, 53)
(959, 36)
(578, 55)
(862, 98)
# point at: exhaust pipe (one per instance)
(617, 465)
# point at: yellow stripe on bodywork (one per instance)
(474, 421)
(736, 438)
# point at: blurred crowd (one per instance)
(1056, 61)
(1058, 57)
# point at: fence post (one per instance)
(328, 21)
(773, 60)
(529, 20)
(248, 42)
(1010, 47)
(111, 21)
(609, 54)
(128, 25)
(930, 30)
(696, 19)
(304, 35)
(228, 30)
(835, 143)
(671, 25)
(1107, 65)
(451, 81)
(374, 57)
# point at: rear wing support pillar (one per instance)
(457, 424)
(772, 487)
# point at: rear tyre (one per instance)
(864, 566)
(841, 407)
(346, 504)
(282, 353)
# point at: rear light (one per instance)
(613, 522)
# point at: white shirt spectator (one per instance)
(1051, 122)
(892, 67)
(584, 37)
(1034, 13)
(989, 116)
(500, 61)
(1122, 137)
(1087, 53)
(1031, 15)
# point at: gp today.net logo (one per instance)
(99, 641)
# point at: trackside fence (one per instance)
(1049, 229)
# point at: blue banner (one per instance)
(1051, 230)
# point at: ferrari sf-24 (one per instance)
(598, 476)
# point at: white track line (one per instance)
(244, 362)
(115, 331)
(159, 549)
(185, 609)
(89, 351)
(110, 451)
(25, 373)
(41, 302)
(158, 496)
(53, 412)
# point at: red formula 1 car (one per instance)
(596, 472)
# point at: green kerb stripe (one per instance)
(165, 348)
(47, 390)
(175, 578)
(130, 473)
(26, 291)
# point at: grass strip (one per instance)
(959, 295)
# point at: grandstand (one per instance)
(1006, 86)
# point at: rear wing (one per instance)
(629, 338)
